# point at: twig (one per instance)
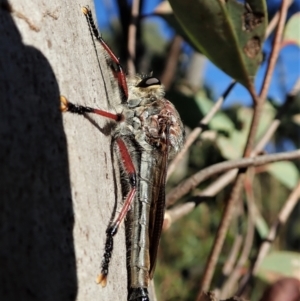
(132, 36)
(275, 48)
(172, 61)
(236, 273)
(234, 251)
(197, 131)
(220, 237)
(274, 21)
(210, 296)
(193, 75)
(230, 262)
(283, 215)
(193, 181)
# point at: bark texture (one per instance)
(58, 176)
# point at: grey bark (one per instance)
(58, 177)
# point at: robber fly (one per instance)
(149, 132)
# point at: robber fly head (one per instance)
(143, 90)
(149, 82)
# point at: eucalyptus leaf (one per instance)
(286, 172)
(229, 33)
(232, 147)
(261, 225)
(220, 121)
(292, 30)
(279, 264)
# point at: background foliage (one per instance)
(186, 244)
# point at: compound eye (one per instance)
(148, 81)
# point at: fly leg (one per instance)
(66, 106)
(113, 228)
(129, 168)
(115, 63)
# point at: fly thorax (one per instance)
(152, 120)
(158, 125)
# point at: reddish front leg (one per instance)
(129, 168)
(113, 228)
(66, 106)
(118, 71)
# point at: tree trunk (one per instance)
(58, 176)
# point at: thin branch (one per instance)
(210, 296)
(220, 237)
(193, 181)
(193, 75)
(132, 36)
(275, 48)
(248, 242)
(283, 215)
(234, 252)
(230, 262)
(172, 61)
(273, 23)
(181, 210)
(198, 130)
(236, 273)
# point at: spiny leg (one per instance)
(66, 106)
(129, 168)
(119, 73)
(113, 228)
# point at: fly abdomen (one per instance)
(140, 261)
(139, 294)
(139, 245)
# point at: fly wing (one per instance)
(157, 209)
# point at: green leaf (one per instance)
(232, 147)
(286, 172)
(268, 114)
(203, 103)
(279, 264)
(220, 122)
(292, 32)
(261, 225)
(229, 33)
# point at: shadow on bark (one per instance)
(37, 256)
